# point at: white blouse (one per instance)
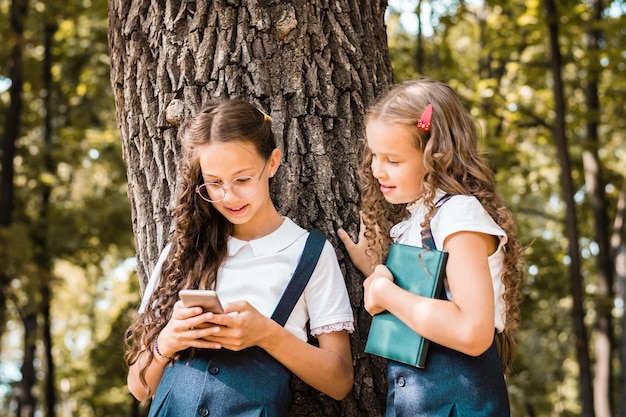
(258, 271)
(459, 213)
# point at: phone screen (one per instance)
(207, 299)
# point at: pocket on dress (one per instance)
(160, 404)
(256, 412)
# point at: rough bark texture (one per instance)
(314, 66)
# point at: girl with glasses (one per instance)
(230, 238)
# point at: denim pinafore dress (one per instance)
(235, 384)
(223, 383)
(451, 384)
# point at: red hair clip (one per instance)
(424, 121)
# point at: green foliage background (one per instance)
(494, 56)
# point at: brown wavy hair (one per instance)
(199, 241)
(453, 164)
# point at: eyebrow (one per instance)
(239, 173)
(395, 155)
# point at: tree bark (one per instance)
(314, 66)
(560, 136)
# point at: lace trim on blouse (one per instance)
(336, 327)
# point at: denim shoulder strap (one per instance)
(427, 234)
(304, 269)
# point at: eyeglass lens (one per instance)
(241, 187)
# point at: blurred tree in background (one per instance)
(65, 227)
(65, 219)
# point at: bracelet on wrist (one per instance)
(156, 349)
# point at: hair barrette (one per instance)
(424, 121)
(266, 117)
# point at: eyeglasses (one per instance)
(243, 187)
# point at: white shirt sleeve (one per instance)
(460, 213)
(154, 278)
(326, 296)
(463, 213)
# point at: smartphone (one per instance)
(207, 299)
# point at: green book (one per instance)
(417, 270)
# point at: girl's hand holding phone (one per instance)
(241, 327)
(187, 328)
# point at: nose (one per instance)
(377, 171)
(228, 193)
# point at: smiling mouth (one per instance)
(236, 210)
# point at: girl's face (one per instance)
(225, 164)
(396, 163)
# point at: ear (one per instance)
(274, 162)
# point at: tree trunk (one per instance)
(41, 238)
(620, 268)
(618, 250)
(578, 315)
(419, 40)
(17, 16)
(25, 399)
(314, 66)
(595, 184)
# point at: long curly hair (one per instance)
(453, 164)
(199, 241)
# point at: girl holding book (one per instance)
(422, 171)
(230, 238)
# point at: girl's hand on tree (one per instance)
(357, 251)
(241, 327)
(374, 287)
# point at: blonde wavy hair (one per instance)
(453, 164)
(199, 241)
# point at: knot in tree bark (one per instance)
(175, 112)
(286, 23)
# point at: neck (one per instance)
(260, 228)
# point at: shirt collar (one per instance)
(279, 239)
(419, 203)
(417, 209)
